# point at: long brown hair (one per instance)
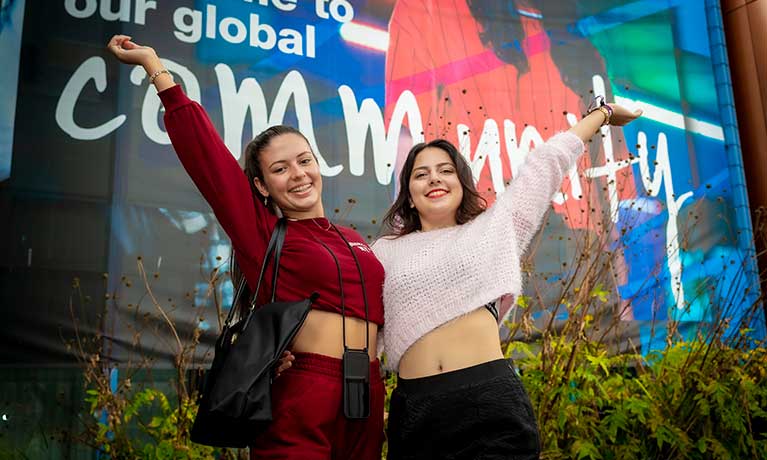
(253, 170)
(402, 219)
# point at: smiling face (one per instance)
(435, 189)
(291, 177)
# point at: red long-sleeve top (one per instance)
(305, 265)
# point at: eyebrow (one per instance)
(446, 163)
(297, 156)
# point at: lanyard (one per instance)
(341, 286)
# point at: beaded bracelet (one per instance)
(157, 74)
(598, 103)
(607, 114)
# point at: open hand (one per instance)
(129, 52)
(622, 116)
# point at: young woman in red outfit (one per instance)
(282, 172)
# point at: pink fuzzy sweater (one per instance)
(433, 277)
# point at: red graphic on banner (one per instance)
(439, 55)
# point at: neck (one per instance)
(313, 213)
(435, 224)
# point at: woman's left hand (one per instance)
(286, 361)
(622, 116)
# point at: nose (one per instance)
(297, 172)
(434, 178)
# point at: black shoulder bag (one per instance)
(236, 403)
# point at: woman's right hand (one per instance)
(129, 52)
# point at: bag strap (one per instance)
(275, 244)
(281, 229)
(364, 294)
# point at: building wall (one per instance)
(745, 23)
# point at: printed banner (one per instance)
(91, 185)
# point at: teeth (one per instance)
(437, 193)
(300, 189)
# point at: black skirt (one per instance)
(477, 413)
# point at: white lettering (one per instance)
(189, 23)
(319, 9)
(105, 8)
(152, 105)
(240, 34)
(285, 5)
(291, 42)
(310, 42)
(210, 22)
(255, 34)
(87, 11)
(295, 86)
(488, 149)
(662, 176)
(93, 68)
(529, 140)
(122, 13)
(235, 104)
(368, 118)
(335, 10)
(139, 15)
(187, 32)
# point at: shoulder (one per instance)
(349, 233)
(387, 240)
(385, 244)
(355, 239)
(381, 243)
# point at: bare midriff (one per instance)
(322, 333)
(463, 342)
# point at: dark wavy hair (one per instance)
(402, 219)
(253, 170)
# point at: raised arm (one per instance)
(129, 52)
(618, 116)
(204, 155)
(528, 197)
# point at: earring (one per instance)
(266, 201)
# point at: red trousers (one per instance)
(309, 422)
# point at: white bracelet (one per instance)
(157, 74)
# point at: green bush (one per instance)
(120, 432)
(693, 400)
(128, 420)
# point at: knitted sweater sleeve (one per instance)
(527, 198)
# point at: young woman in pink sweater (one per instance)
(447, 260)
(281, 171)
